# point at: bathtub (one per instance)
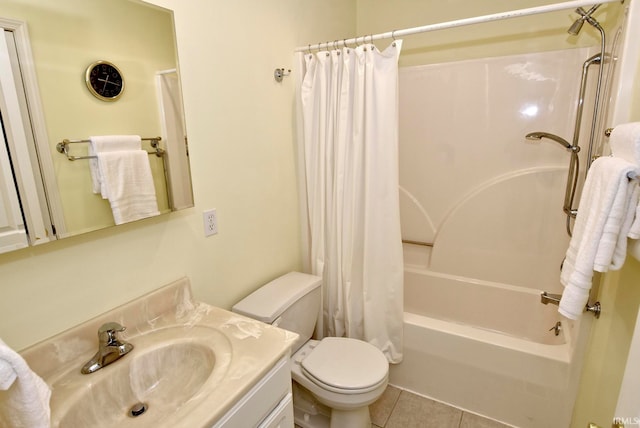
(499, 360)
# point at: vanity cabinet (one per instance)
(268, 404)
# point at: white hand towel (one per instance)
(603, 215)
(108, 143)
(612, 250)
(7, 375)
(128, 184)
(24, 401)
(624, 142)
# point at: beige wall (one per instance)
(239, 122)
(608, 347)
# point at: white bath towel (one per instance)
(24, 396)
(108, 143)
(128, 184)
(599, 236)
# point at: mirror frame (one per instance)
(35, 160)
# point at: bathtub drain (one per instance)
(137, 410)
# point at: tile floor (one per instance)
(402, 409)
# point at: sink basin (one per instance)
(159, 379)
(191, 364)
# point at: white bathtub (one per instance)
(486, 348)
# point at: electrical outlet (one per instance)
(210, 220)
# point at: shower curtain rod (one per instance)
(457, 23)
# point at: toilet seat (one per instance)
(345, 366)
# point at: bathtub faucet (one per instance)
(554, 299)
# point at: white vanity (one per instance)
(192, 365)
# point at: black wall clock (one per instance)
(104, 81)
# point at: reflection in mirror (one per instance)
(64, 38)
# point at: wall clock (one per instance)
(104, 80)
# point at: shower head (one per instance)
(576, 26)
(584, 16)
(537, 136)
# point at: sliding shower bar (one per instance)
(456, 23)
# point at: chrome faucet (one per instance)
(110, 348)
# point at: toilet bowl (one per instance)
(344, 375)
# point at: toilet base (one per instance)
(310, 413)
(354, 418)
(306, 420)
(339, 419)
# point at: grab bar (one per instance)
(574, 162)
(554, 299)
(423, 244)
(546, 298)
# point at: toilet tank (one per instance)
(291, 302)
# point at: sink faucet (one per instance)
(110, 348)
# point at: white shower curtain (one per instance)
(348, 154)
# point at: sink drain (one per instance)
(137, 410)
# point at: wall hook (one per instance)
(279, 73)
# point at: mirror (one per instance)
(59, 109)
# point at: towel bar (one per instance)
(554, 299)
(63, 147)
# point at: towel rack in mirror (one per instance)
(63, 147)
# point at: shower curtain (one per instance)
(348, 155)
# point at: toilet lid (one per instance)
(346, 364)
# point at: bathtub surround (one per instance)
(489, 201)
(348, 101)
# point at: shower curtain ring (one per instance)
(393, 36)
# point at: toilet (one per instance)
(336, 378)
